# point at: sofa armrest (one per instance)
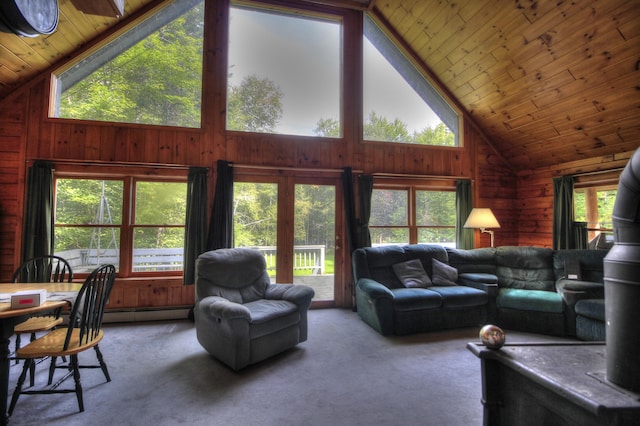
(374, 289)
(481, 281)
(298, 294)
(221, 308)
(574, 290)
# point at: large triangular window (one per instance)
(399, 103)
(150, 74)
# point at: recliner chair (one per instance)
(241, 318)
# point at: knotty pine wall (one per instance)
(521, 199)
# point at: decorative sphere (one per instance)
(492, 336)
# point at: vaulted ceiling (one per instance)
(547, 82)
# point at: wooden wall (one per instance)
(520, 199)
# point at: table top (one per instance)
(575, 370)
(58, 295)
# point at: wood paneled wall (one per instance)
(521, 200)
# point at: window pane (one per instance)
(255, 219)
(382, 236)
(161, 203)
(445, 237)
(399, 104)
(435, 208)
(152, 74)
(86, 201)
(87, 248)
(314, 234)
(389, 207)
(158, 249)
(278, 63)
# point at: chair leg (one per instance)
(18, 390)
(17, 345)
(52, 369)
(76, 378)
(103, 365)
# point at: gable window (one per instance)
(151, 74)
(284, 73)
(412, 215)
(399, 104)
(133, 223)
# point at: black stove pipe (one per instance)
(622, 283)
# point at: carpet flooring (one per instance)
(345, 374)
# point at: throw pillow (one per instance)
(443, 274)
(412, 274)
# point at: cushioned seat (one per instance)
(411, 299)
(240, 317)
(590, 319)
(530, 300)
(460, 296)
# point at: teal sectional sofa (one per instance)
(520, 288)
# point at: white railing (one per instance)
(306, 257)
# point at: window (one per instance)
(284, 73)
(594, 205)
(96, 223)
(151, 74)
(411, 215)
(399, 104)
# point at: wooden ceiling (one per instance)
(547, 82)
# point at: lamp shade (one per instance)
(481, 218)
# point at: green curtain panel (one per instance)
(196, 221)
(221, 224)
(563, 229)
(464, 205)
(37, 235)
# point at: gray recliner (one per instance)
(241, 317)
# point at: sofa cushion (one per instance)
(412, 299)
(480, 260)
(460, 296)
(591, 263)
(591, 308)
(412, 274)
(479, 277)
(528, 268)
(529, 300)
(443, 274)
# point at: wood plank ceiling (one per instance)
(547, 82)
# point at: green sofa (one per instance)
(529, 289)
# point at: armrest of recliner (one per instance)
(574, 290)
(219, 307)
(373, 289)
(299, 294)
(481, 281)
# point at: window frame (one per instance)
(129, 176)
(412, 187)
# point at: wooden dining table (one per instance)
(58, 295)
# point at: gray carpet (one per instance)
(345, 374)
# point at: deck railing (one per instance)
(306, 257)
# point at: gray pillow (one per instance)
(443, 274)
(412, 274)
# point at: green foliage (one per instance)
(255, 105)
(156, 81)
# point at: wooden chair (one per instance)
(41, 269)
(84, 332)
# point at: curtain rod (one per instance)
(115, 164)
(424, 177)
(294, 169)
(599, 172)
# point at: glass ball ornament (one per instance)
(492, 336)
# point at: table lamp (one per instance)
(482, 218)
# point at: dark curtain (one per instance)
(221, 225)
(581, 235)
(563, 236)
(196, 221)
(37, 235)
(464, 236)
(366, 189)
(350, 209)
